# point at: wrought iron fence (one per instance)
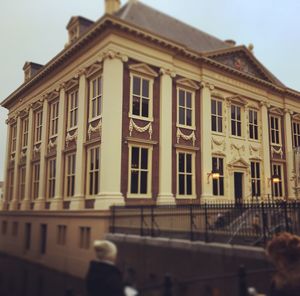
(250, 223)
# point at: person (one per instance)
(220, 221)
(284, 252)
(256, 224)
(103, 277)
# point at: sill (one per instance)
(276, 145)
(148, 119)
(193, 128)
(70, 129)
(53, 136)
(95, 118)
(214, 133)
(186, 147)
(185, 197)
(254, 140)
(139, 196)
(237, 137)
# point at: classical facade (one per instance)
(141, 108)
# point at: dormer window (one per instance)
(77, 26)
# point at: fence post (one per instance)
(206, 223)
(142, 221)
(263, 216)
(242, 284)
(191, 223)
(167, 285)
(113, 217)
(152, 221)
(286, 218)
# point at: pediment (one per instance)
(187, 83)
(239, 163)
(296, 116)
(276, 111)
(243, 60)
(143, 69)
(52, 96)
(71, 83)
(237, 99)
(217, 95)
(96, 67)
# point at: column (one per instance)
(25, 205)
(4, 201)
(77, 202)
(14, 202)
(206, 136)
(165, 194)
(111, 136)
(289, 154)
(267, 186)
(57, 201)
(40, 202)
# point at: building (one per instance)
(138, 108)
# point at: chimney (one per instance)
(30, 69)
(77, 26)
(111, 6)
(230, 42)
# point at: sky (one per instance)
(35, 30)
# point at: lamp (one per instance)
(275, 179)
(215, 174)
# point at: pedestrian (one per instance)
(256, 224)
(284, 252)
(103, 277)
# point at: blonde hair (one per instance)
(105, 250)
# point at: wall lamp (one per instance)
(275, 179)
(214, 174)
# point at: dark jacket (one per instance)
(104, 279)
(285, 284)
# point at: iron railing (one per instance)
(250, 223)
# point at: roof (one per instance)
(154, 21)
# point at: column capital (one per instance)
(112, 54)
(61, 86)
(169, 72)
(264, 103)
(288, 111)
(81, 72)
(208, 85)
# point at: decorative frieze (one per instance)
(238, 148)
(93, 129)
(277, 150)
(71, 137)
(111, 54)
(218, 144)
(191, 136)
(140, 129)
(52, 143)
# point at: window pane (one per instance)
(189, 184)
(233, 129)
(213, 123)
(239, 129)
(134, 182)
(221, 181)
(96, 183)
(181, 162)
(189, 117)
(188, 163)
(215, 187)
(144, 159)
(181, 98)
(213, 107)
(181, 184)
(144, 182)
(135, 157)
(181, 116)
(146, 88)
(220, 125)
(188, 100)
(136, 106)
(220, 108)
(145, 108)
(136, 85)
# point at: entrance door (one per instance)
(238, 187)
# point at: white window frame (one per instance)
(296, 133)
(255, 178)
(25, 130)
(277, 169)
(278, 141)
(92, 153)
(236, 121)
(150, 98)
(38, 127)
(148, 194)
(185, 173)
(22, 181)
(252, 125)
(221, 176)
(72, 109)
(54, 114)
(51, 178)
(192, 109)
(35, 180)
(70, 170)
(95, 100)
(13, 138)
(217, 116)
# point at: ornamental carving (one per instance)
(37, 148)
(277, 150)
(253, 149)
(218, 144)
(70, 137)
(52, 143)
(140, 129)
(238, 148)
(189, 137)
(93, 129)
(111, 54)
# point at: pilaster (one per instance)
(165, 194)
(111, 137)
(77, 202)
(14, 202)
(57, 201)
(206, 134)
(40, 202)
(25, 205)
(289, 153)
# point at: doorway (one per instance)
(238, 187)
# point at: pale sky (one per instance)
(34, 30)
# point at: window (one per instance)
(296, 134)
(277, 188)
(216, 116)
(54, 109)
(13, 138)
(236, 122)
(185, 101)
(38, 126)
(95, 92)
(84, 237)
(93, 170)
(185, 173)
(36, 180)
(70, 171)
(218, 184)
(73, 109)
(139, 170)
(43, 239)
(61, 234)
(253, 125)
(275, 130)
(4, 227)
(141, 97)
(51, 177)
(24, 132)
(10, 184)
(27, 236)
(22, 180)
(15, 228)
(255, 178)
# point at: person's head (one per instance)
(105, 250)
(284, 250)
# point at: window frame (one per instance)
(193, 95)
(192, 174)
(272, 116)
(38, 126)
(99, 97)
(13, 138)
(296, 134)
(255, 176)
(221, 177)
(25, 131)
(35, 180)
(217, 116)
(22, 181)
(72, 109)
(51, 180)
(93, 172)
(278, 187)
(252, 125)
(150, 98)
(235, 120)
(149, 171)
(54, 117)
(70, 173)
